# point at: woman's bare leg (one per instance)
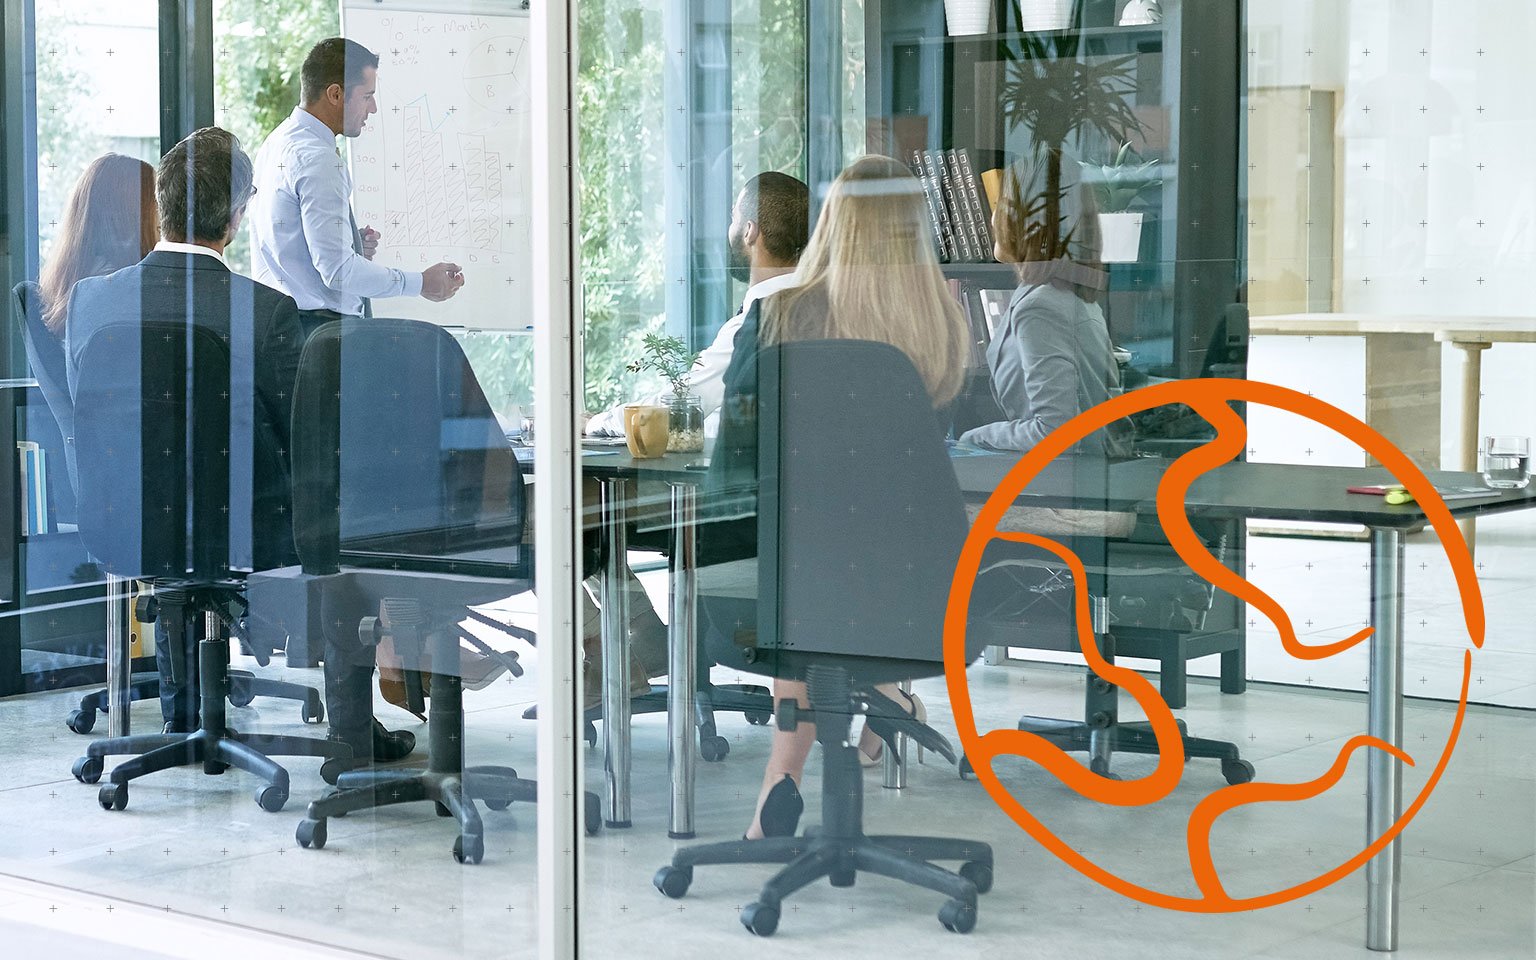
(790, 748)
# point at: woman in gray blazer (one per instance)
(1050, 357)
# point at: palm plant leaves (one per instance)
(1050, 91)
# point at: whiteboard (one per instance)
(442, 171)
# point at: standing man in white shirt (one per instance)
(769, 229)
(305, 240)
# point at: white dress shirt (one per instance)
(302, 231)
(707, 378)
(171, 246)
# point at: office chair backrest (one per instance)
(45, 352)
(154, 451)
(397, 452)
(45, 360)
(860, 517)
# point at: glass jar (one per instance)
(685, 427)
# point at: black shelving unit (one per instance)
(1178, 308)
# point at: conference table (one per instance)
(1402, 372)
(1234, 491)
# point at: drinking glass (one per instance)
(1507, 462)
(525, 428)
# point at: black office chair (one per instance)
(153, 422)
(859, 526)
(1135, 585)
(45, 359)
(404, 476)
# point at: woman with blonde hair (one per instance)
(868, 273)
(110, 221)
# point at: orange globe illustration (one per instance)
(1212, 400)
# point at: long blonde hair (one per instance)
(872, 257)
(109, 222)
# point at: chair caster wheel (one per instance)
(240, 694)
(81, 721)
(87, 769)
(673, 882)
(758, 718)
(589, 733)
(442, 810)
(760, 918)
(966, 770)
(958, 917)
(469, 849)
(980, 874)
(1237, 771)
(313, 710)
(496, 803)
(332, 769)
(113, 796)
(271, 798)
(714, 749)
(311, 833)
(592, 813)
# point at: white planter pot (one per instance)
(1140, 13)
(1120, 234)
(1045, 14)
(968, 17)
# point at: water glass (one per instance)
(1507, 462)
(525, 428)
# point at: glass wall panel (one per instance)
(97, 93)
(1090, 228)
(299, 420)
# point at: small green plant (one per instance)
(669, 357)
(1119, 183)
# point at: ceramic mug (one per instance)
(645, 430)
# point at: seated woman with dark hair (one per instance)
(110, 221)
(1050, 357)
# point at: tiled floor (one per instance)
(199, 846)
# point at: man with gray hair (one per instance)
(201, 188)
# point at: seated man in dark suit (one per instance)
(202, 186)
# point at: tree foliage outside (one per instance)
(260, 45)
(67, 136)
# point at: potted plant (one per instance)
(1053, 92)
(1045, 14)
(670, 357)
(1116, 186)
(968, 17)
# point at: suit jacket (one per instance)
(261, 327)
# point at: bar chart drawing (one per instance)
(441, 171)
(448, 201)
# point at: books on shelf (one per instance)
(959, 203)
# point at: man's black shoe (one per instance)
(386, 746)
(391, 745)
